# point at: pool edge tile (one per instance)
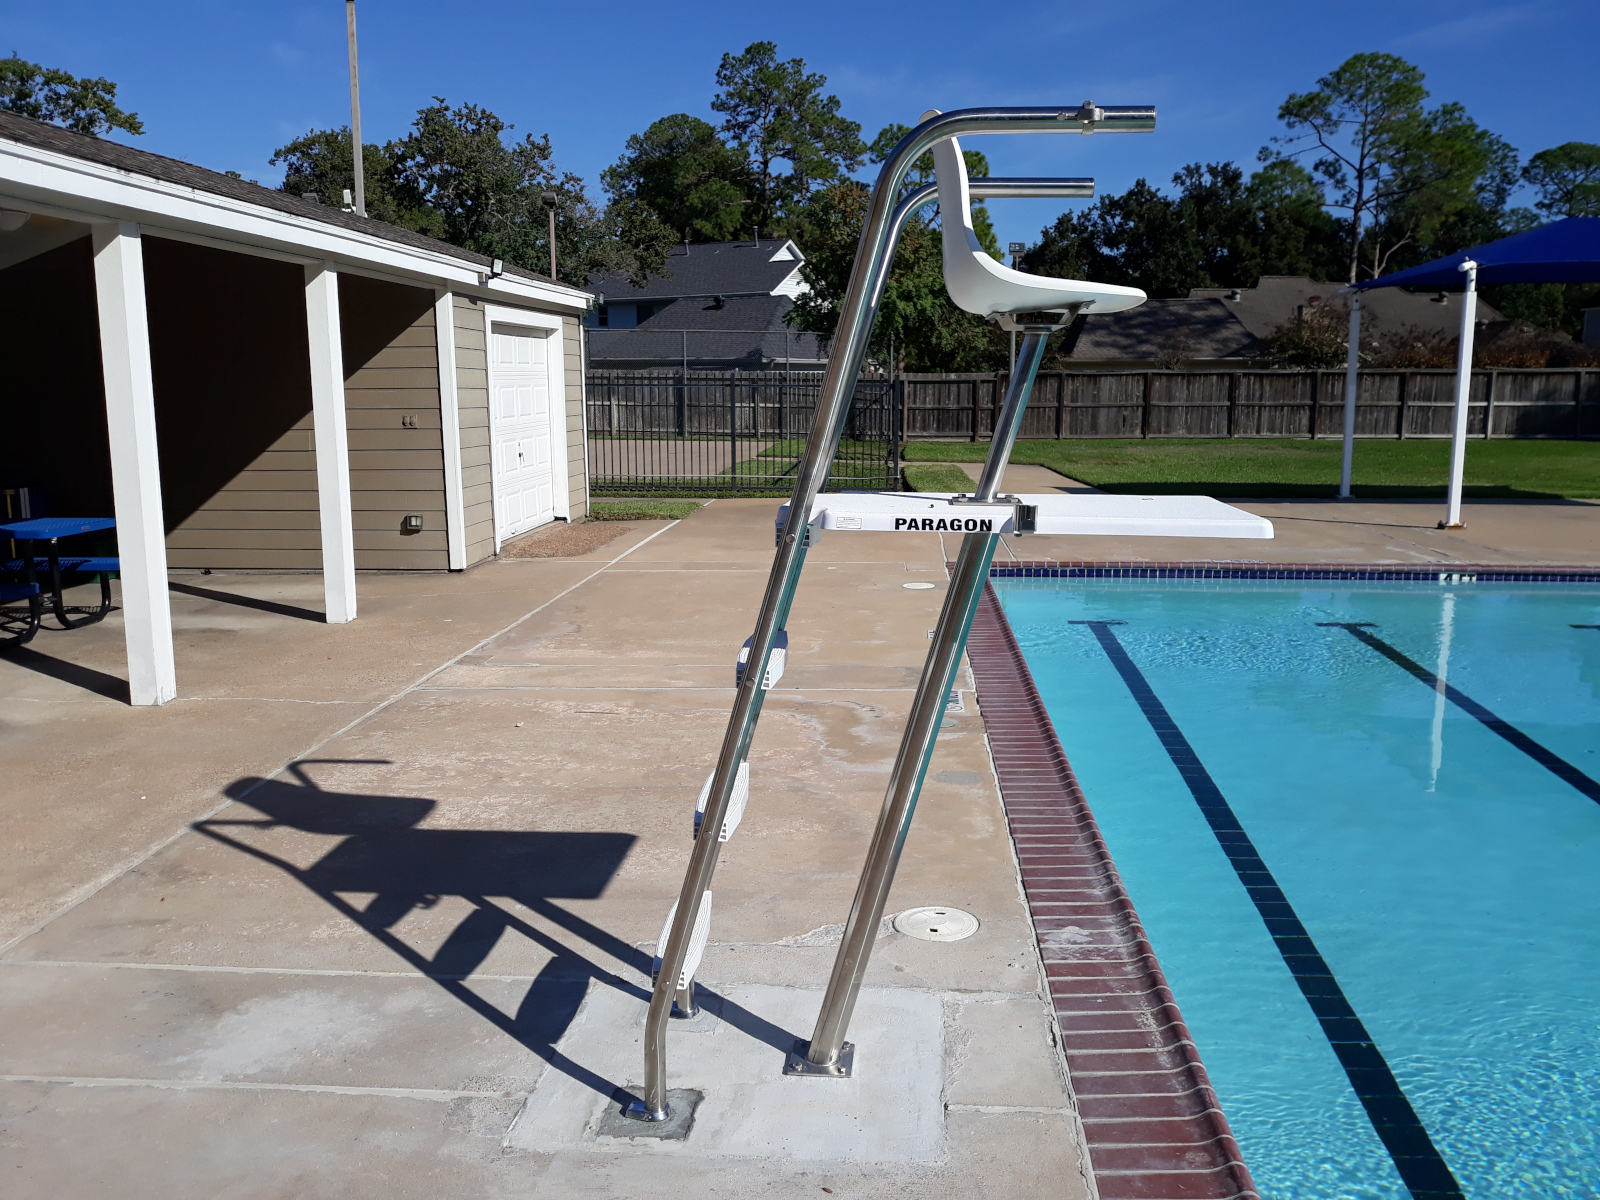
(1042, 798)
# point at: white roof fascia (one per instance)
(794, 285)
(93, 192)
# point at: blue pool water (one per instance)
(1448, 878)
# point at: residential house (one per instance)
(719, 304)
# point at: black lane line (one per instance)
(1547, 759)
(1421, 1167)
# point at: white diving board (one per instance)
(1046, 514)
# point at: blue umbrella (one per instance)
(1566, 251)
(1561, 252)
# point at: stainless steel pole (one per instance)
(822, 1054)
(856, 313)
(355, 111)
(1352, 380)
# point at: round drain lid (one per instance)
(937, 924)
(919, 586)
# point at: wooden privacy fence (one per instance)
(1258, 404)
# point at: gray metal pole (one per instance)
(822, 1055)
(1352, 364)
(867, 276)
(355, 111)
(1458, 435)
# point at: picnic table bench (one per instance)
(50, 530)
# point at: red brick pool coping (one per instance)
(1151, 1119)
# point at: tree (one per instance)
(683, 172)
(1399, 171)
(916, 316)
(488, 197)
(46, 94)
(1567, 178)
(922, 173)
(1220, 230)
(775, 112)
(455, 178)
(321, 162)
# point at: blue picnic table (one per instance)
(50, 531)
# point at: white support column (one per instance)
(455, 515)
(135, 461)
(1352, 363)
(1458, 437)
(333, 443)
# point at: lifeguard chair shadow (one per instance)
(1032, 304)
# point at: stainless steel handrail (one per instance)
(867, 277)
(822, 1055)
(1015, 189)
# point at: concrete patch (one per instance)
(890, 1111)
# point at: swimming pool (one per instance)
(1360, 824)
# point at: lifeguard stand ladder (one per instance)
(1036, 306)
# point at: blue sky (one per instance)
(223, 84)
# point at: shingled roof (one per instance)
(1163, 329)
(713, 269)
(1279, 298)
(745, 331)
(28, 132)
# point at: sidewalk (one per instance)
(368, 911)
(351, 979)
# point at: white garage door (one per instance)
(524, 475)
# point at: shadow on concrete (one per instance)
(87, 678)
(405, 868)
(271, 606)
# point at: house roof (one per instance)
(29, 132)
(1187, 329)
(746, 327)
(1279, 298)
(712, 269)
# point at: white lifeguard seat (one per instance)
(979, 284)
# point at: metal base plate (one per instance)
(681, 1105)
(798, 1064)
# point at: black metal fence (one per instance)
(709, 432)
(1506, 403)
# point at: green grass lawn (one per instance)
(937, 477)
(641, 510)
(1511, 470)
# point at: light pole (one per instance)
(550, 199)
(355, 109)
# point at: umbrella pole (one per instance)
(1458, 438)
(1351, 363)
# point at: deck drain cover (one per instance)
(920, 586)
(937, 924)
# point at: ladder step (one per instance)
(735, 813)
(697, 943)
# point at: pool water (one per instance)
(1447, 876)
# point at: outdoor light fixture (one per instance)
(497, 267)
(412, 523)
(11, 221)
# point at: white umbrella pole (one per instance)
(1352, 362)
(1458, 439)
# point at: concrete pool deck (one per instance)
(368, 910)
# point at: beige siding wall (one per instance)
(265, 514)
(472, 403)
(397, 451)
(264, 518)
(577, 461)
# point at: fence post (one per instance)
(974, 410)
(1488, 406)
(1405, 391)
(1144, 415)
(1061, 402)
(733, 425)
(1316, 401)
(1233, 399)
